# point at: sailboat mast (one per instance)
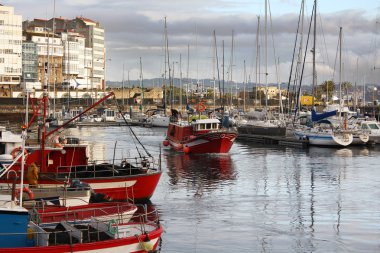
(340, 73)
(231, 67)
(168, 62)
(165, 65)
(141, 86)
(314, 48)
(214, 67)
(187, 73)
(257, 81)
(180, 82)
(54, 90)
(217, 68)
(266, 54)
(223, 77)
(244, 84)
(122, 88)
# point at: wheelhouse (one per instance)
(206, 125)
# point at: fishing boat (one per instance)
(45, 213)
(133, 178)
(104, 227)
(199, 136)
(18, 234)
(61, 195)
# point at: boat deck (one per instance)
(113, 123)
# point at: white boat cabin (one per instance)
(205, 124)
(109, 115)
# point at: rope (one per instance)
(133, 133)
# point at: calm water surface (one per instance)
(258, 198)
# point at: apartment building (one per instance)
(10, 50)
(94, 38)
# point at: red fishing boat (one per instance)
(53, 214)
(132, 179)
(199, 136)
(98, 234)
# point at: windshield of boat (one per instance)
(373, 126)
(206, 126)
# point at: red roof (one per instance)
(86, 19)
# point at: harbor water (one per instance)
(257, 198)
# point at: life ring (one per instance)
(26, 190)
(16, 151)
(201, 107)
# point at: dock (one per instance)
(286, 141)
(113, 124)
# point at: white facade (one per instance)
(55, 44)
(97, 38)
(10, 47)
(70, 63)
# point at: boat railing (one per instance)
(200, 135)
(128, 166)
(71, 232)
(47, 214)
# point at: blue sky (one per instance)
(134, 29)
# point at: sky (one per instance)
(135, 28)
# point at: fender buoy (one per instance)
(58, 145)
(26, 190)
(30, 234)
(16, 151)
(201, 107)
(112, 227)
(166, 143)
(186, 149)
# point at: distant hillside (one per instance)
(157, 82)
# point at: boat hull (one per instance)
(139, 188)
(327, 139)
(127, 244)
(257, 130)
(213, 142)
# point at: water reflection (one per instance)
(206, 171)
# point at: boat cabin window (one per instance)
(206, 126)
(110, 113)
(1, 134)
(373, 126)
(364, 126)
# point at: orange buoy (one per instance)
(186, 149)
(166, 143)
(26, 190)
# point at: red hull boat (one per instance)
(199, 137)
(59, 163)
(100, 233)
(104, 211)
